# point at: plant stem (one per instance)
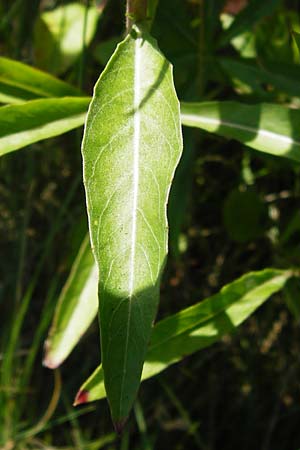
(136, 11)
(202, 50)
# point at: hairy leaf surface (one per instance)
(269, 128)
(76, 308)
(131, 147)
(198, 326)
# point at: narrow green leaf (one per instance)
(13, 95)
(247, 18)
(292, 227)
(296, 37)
(35, 120)
(198, 326)
(266, 80)
(151, 11)
(292, 297)
(180, 190)
(244, 42)
(76, 308)
(20, 82)
(265, 127)
(131, 147)
(269, 128)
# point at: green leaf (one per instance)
(35, 120)
(292, 297)
(151, 10)
(292, 227)
(76, 309)
(103, 51)
(265, 127)
(248, 17)
(296, 37)
(131, 147)
(178, 39)
(273, 37)
(180, 192)
(264, 80)
(244, 42)
(20, 82)
(198, 326)
(269, 128)
(61, 34)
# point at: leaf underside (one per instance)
(131, 147)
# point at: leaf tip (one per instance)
(120, 425)
(82, 396)
(50, 363)
(48, 360)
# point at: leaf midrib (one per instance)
(136, 146)
(258, 132)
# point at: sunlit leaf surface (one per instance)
(269, 128)
(35, 120)
(198, 326)
(20, 82)
(131, 147)
(76, 308)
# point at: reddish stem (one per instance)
(136, 11)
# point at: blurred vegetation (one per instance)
(241, 393)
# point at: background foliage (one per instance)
(232, 210)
